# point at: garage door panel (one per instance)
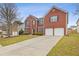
(59, 31)
(49, 31)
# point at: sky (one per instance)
(41, 9)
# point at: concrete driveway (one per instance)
(39, 46)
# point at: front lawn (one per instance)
(67, 46)
(12, 40)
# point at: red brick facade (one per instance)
(31, 24)
(61, 22)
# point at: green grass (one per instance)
(12, 40)
(67, 46)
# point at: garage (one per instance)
(55, 32)
(59, 31)
(49, 31)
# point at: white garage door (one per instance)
(49, 31)
(58, 31)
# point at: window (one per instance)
(33, 22)
(40, 21)
(53, 19)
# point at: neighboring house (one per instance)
(55, 22)
(73, 27)
(78, 26)
(0, 30)
(71, 30)
(3, 30)
(31, 24)
(0, 27)
(15, 28)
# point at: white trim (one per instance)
(59, 9)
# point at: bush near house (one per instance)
(26, 33)
(38, 33)
(21, 32)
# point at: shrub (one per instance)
(38, 33)
(26, 33)
(21, 32)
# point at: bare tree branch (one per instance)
(8, 12)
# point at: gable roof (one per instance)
(32, 17)
(54, 7)
(60, 9)
(18, 22)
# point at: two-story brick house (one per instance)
(55, 22)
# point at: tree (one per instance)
(8, 13)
